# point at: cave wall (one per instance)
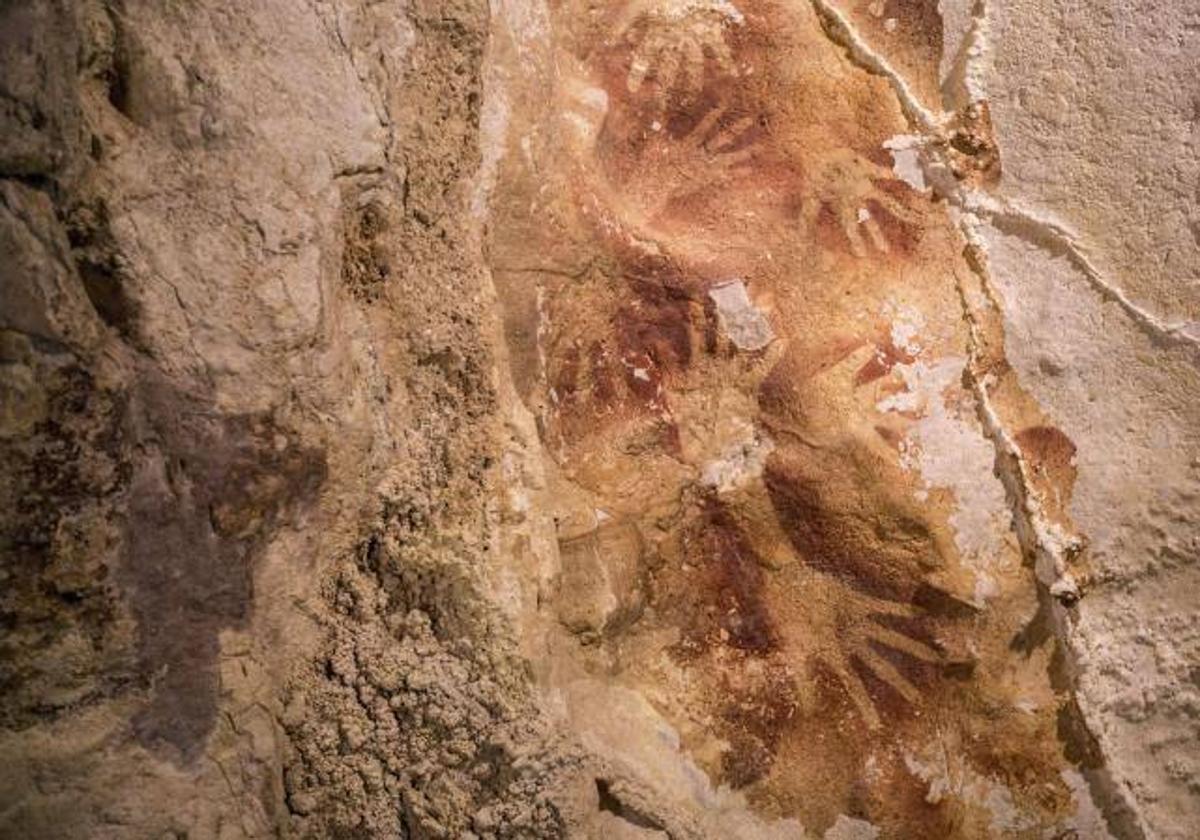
(689, 419)
(249, 434)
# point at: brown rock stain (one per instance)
(726, 606)
(887, 356)
(1051, 456)
(819, 637)
(908, 33)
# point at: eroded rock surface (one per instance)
(249, 429)
(763, 334)
(636, 418)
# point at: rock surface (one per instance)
(646, 418)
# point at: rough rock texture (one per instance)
(1096, 265)
(249, 427)
(624, 419)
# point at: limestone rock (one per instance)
(638, 418)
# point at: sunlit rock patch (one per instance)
(754, 356)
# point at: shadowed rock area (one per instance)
(620, 419)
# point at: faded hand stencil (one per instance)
(673, 46)
(830, 612)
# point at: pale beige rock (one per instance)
(1097, 265)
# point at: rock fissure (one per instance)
(842, 33)
(1054, 551)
